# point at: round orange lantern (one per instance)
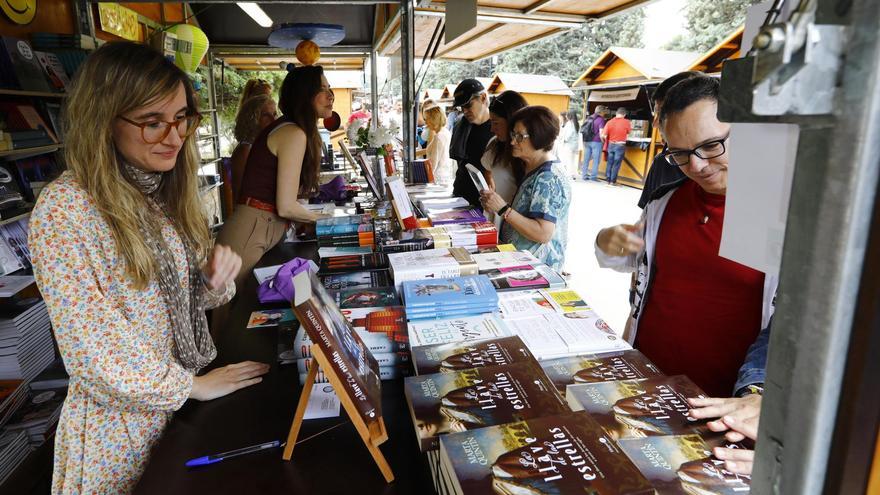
(307, 52)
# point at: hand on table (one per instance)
(621, 240)
(223, 381)
(491, 201)
(222, 266)
(739, 417)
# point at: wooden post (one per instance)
(301, 408)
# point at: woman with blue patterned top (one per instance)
(537, 220)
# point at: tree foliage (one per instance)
(709, 22)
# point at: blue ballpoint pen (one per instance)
(211, 459)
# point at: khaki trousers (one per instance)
(250, 233)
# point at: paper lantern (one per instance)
(307, 52)
(192, 45)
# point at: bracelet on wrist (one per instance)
(507, 213)
(503, 210)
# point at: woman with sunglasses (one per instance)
(503, 171)
(537, 219)
(256, 114)
(123, 258)
(284, 164)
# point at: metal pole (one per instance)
(374, 88)
(834, 191)
(407, 52)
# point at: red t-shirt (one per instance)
(617, 129)
(703, 311)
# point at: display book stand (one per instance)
(401, 203)
(348, 365)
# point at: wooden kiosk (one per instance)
(549, 91)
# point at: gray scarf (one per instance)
(193, 345)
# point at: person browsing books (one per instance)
(537, 219)
(689, 301)
(470, 136)
(256, 114)
(503, 171)
(284, 163)
(123, 258)
(438, 142)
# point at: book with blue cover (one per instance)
(436, 293)
(447, 313)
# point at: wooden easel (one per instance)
(372, 435)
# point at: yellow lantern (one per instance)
(307, 52)
(192, 45)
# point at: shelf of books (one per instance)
(34, 75)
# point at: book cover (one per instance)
(294, 343)
(431, 264)
(565, 454)
(456, 330)
(477, 177)
(593, 368)
(53, 70)
(10, 285)
(389, 320)
(350, 263)
(356, 280)
(532, 276)
(270, 318)
(333, 252)
(567, 300)
(468, 215)
(503, 259)
(684, 465)
(524, 304)
(473, 290)
(475, 398)
(552, 335)
(26, 71)
(365, 297)
(638, 408)
(343, 229)
(451, 312)
(443, 358)
(350, 359)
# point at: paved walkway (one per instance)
(595, 206)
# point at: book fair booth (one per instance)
(411, 351)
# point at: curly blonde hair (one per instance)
(247, 122)
(253, 88)
(118, 78)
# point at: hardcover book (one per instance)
(365, 298)
(456, 330)
(350, 263)
(449, 292)
(350, 359)
(468, 399)
(443, 358)
(638, 408)
(357, 280)
(565, 454)
(593, 368)
(684, 465)
(469, 215)
(532, 276)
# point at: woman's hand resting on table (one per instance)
(223, 381)
(739, 418)
(222, 266)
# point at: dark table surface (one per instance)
(332, 462)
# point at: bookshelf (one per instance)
(41, 94)
(29, 152)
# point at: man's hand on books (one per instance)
(223, 381)
(222, 266)
(739, 417)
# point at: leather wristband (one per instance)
(503, 210)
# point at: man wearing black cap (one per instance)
(470, 136)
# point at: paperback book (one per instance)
(553, 335)
(464, 215)
(593, 368)
(638, 408)
(270, 318)
(444, 358)
(475, 290)
(357, 280)
(475, 398)
(351, 263)
(564, 454)
(453, 330)
(431, 264)
(445, 313)
(365, 297)
(684, 465)
(531, 276)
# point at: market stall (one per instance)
(549, 91)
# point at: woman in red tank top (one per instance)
(283, 165)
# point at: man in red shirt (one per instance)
(694, 312)
(614, 133)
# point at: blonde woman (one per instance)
(438, 142)
(257, 113)
(123, 259)
(253, 88)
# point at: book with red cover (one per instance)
(353, 263)
(475, 398)
(564, 454)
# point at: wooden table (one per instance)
(334, 462)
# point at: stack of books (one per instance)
(14, 448)
(446, 297)
(39, 415)
(517, 270)
(471, 236)
(440, 205)
(350, 230)
(26, 346)
(431, 264)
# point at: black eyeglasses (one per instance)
(706, 151)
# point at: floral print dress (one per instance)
(115, 340)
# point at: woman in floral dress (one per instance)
(122, 256)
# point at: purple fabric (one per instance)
(331, 191)
(598, 124)
(280, 287)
